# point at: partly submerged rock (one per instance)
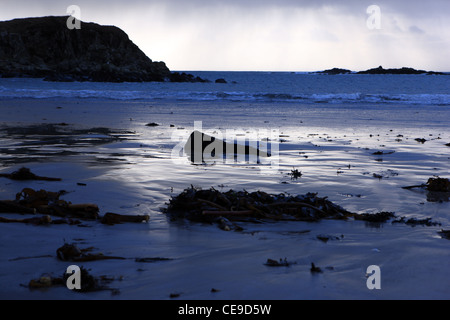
(445, 234)
(380, 70)
(438, 189)
(278, 263)
(201, 147)
(71, 252)
(335, 71)
(403, 70)
(26, 174)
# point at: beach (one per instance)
(357, 157)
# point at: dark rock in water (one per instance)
(221, 80)
(438, 184)
(404, 70)
(45, 47)
(326, 237)
(26, 174)
(378, 217)
(380, 70)
(315, 269)
(202, 148)
(277, 263)
(438, 189)
(445, 234)
(421, 140)
(336, 71)
(185, 77)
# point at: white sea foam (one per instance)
(349, 98)
(251, 87)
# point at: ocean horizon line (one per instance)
(353, 72)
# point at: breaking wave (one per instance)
(251, 87)
(428, 99)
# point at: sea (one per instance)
(261, 87)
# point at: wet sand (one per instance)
(359, 159)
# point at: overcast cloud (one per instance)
(287, 35)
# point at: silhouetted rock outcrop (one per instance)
(336, 71)
(220, 80)
(45, 47)
(404, 70)
(185, 77)
(380, 70)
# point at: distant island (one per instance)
(45, 47)
(380, 70)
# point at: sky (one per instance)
(263, 35)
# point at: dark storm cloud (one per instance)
(292, 34)
(416, 8)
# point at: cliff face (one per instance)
(45, 47)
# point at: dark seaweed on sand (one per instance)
(435, 184)
(26, 174)
(206, 205)
(213, 206)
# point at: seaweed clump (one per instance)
(26, 174)
(226, 208)
(209, 205)
(438, 184)
(438, 189)
(434, 184)
(88, 282)
(49, 204)
(379, 217)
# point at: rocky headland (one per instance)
(45, 47)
